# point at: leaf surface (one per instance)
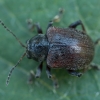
(14, 14)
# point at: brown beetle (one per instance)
(61, 48)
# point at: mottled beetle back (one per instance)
(69, 48)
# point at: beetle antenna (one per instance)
(9, 75)
(12, 33)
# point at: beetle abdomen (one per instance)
(69, 48)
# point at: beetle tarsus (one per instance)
(75, 73)
(31, 77)
(39, 70)
(48, 71)
(58, 16)
(94, 66)
(55, 81)
(52, 77)
(31, 26)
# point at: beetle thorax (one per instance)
(37, 47)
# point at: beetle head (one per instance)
(37, 47)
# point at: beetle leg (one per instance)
(97, 41)
(48, 71)
(75, 24)
(58, 16)
(94, 66)
(31, 26)
(75, 73)
(52, 77)
(39, 30)
(50, 24)
(39, 70)
(31, 77)
(37, 75)
(55, 81)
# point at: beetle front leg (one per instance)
(52, 77)
(37, 75)
(75, 73)
(31, 26)
(39, 30)
(39, 70)
(77, 23)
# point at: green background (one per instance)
(14, 14)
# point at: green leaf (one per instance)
(14, 14)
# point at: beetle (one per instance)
(66, 48)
